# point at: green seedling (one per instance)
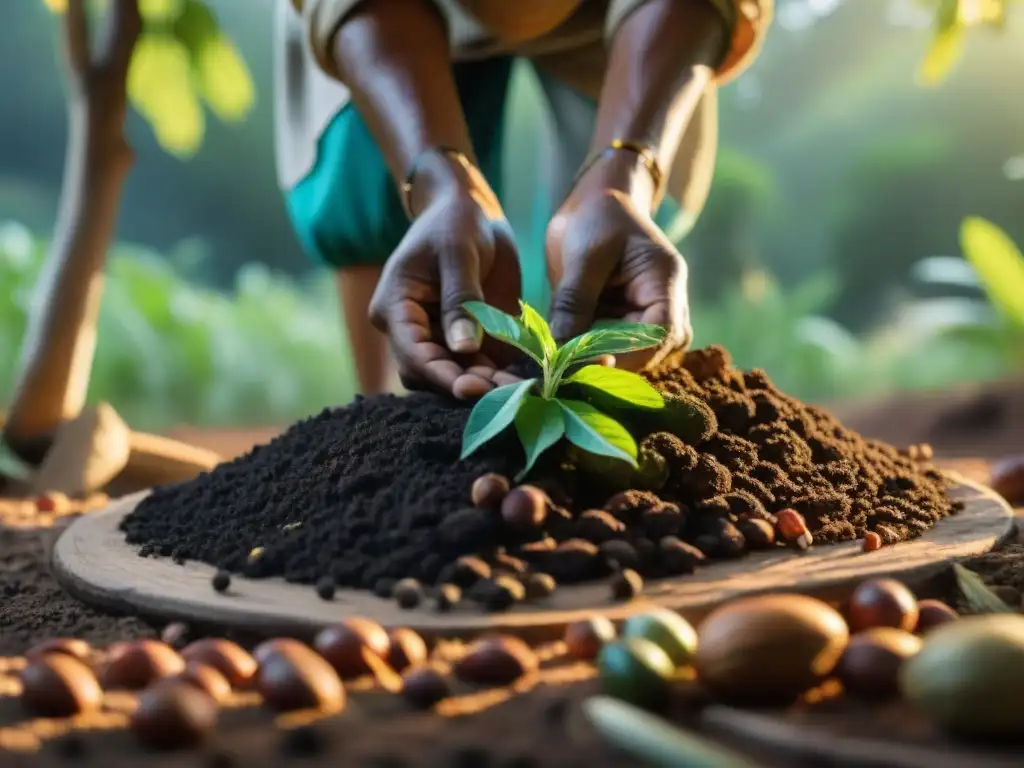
(541, 417)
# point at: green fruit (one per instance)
(667, 630)
(969, 677)
(636, 671)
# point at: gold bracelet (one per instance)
(646, 155)
(455, 154)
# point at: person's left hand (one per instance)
(608, 259)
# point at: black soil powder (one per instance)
(375, 491)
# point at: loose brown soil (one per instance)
(374, 492)
(523, 730)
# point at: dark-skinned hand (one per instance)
(607, 259)
(459, 248)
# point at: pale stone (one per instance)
(87, 453)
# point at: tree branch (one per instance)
(124, 23)
(76, 28)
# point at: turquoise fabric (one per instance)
(347, 212)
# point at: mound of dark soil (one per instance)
(375, 491)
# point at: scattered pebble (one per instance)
(221, 581)
(176, 634)
(408, 593)
(325, 588)
(626, 584)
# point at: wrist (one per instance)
(619, 171)
(443, 175)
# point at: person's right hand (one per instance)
(459, 248)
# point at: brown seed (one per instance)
(448, 596)
(173, 715)
(1007, 479)
(626, 584)
(882, 603)
(524, 508)
(342, 645)
(228, 658)
(758, 533)
(598, 526)
(489, 490)
(678, 557)
(423, 687)
(300, 679)
(408, 593)
(584, 639)
(539, 585)
(59, 685)
(932, 614)
(496, 660)
(872, 541)
(70, 646)
(870, 665)
(134, 666)
(468, 570)
(205, 678)
(407, 649)
(284, 645)
(176, 635)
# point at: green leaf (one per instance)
(640, 330)
(625, 386)
(616, 340)
(593, 431)
(539, 424)
(160, 88)
(493, 413)
(504, 327)
(979, 597)
(538, 326)
(943, 54)
(999, 264)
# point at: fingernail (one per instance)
(462, 336)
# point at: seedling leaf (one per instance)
(539, 424)
(492, 413)
(979, 597)
(593, 431)
(607, 341)
(538, 326)
(999, 264)
(504, 327)
(624, 386)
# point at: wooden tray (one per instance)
(92, 561)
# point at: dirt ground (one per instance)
(539, 727)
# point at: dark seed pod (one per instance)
(626, 584)
(448, 596)
(539, 585)
(408, 593)
(221, 581)
(489, 490)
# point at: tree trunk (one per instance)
(60, 341)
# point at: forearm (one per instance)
(660, 62)
(393, 56)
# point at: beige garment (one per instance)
(563, 38)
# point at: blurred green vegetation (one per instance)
(829, 253)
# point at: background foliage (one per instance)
(830, 251)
